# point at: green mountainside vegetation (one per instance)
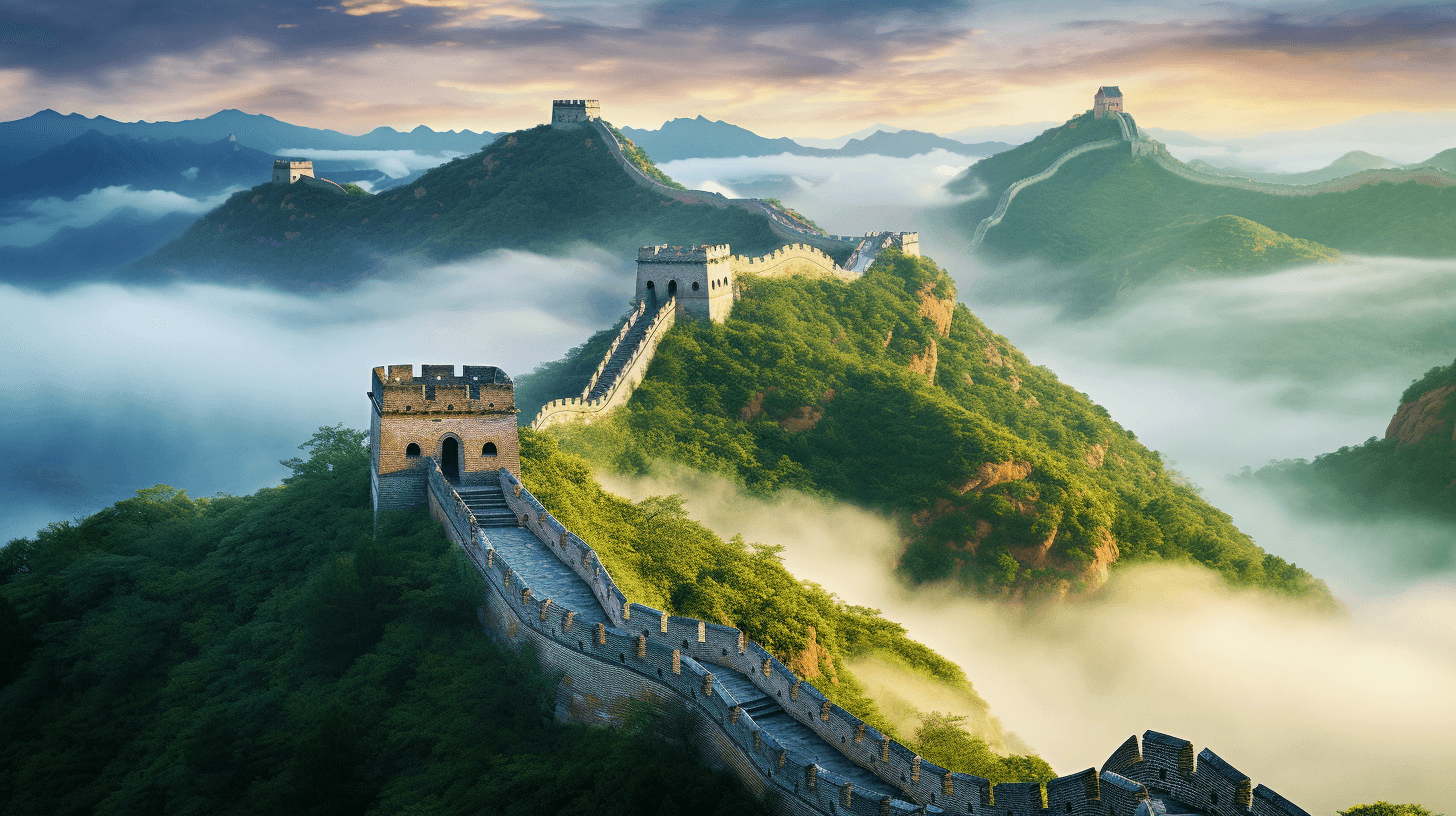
(1108, 221)
(661, 558)
(887, 393)
(1409, 474)
(276, 653)
(543, 190)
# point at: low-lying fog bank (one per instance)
(1328, 710)
(205, 387)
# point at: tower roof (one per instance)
(1109, 90)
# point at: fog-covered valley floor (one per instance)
(111, 388)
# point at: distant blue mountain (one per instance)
(23, 139)
(700, 138)
(95, 159)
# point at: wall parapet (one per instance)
(1018, 186)
(612, 349)
(678, 654)
(575, 408)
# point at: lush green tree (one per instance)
(1383, 808)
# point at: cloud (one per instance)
(1329, 711)
(206, 387)
(39, 220)
(844, 195)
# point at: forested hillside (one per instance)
(542, 190)
(887, 393)
(276, 653)
(1108, 222)
(1408, 474)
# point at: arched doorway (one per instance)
(412, 450)
(671, 289)
(652, 294)
(450, 458)
(488, 449)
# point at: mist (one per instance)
(112, 388)
(33, 222)
(843, 195)
(392, 163)
(1329, 710)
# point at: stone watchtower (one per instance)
(1107, 101)
(466, 422)
(287, 171)
(565, 112)
(699, 277)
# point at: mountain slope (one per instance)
(278, 653)
(542, 190)
(94, 159)
(1091, 219)
(888, 393)
(701, 138)
(1409, 474)
(1356, 161)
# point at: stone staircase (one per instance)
(488, 504)
(621, 357)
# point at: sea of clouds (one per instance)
(111, 388)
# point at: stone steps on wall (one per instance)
(622, 356)
(488, 504)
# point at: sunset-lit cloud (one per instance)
(781, 67)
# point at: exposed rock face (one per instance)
(993, 473)
(939, 311)
(803, 418)
(1095, 455)
(750, 412)
(925, 362)
(1417, 420)
(1103, 556)
(806, 663)
(1035, 555)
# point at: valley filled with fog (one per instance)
(112, 388)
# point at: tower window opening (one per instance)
(695, 286)
(488, 450)
(412, 450)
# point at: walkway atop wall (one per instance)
(544, 572)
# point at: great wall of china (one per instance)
(1141, 145)
(750, 713)
(546, 587)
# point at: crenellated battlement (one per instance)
(574, 111)
(439, 390)
(663, 253)
(637, 652)
(466, 420)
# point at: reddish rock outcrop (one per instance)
(993, 473)
(1415, 421)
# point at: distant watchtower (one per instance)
(287, 171)
(698, 276)
(565, 112)
(467, 422)
(1107, 101)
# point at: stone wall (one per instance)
(644, 654)
(794, 260)
(1018, 186)
(781, 225)
(1431, 176)
(577, 409)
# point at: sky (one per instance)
(814, 68)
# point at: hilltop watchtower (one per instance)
(700, 277)
(287, 171)
(1107, 101)
(566, 112)
(466, 422)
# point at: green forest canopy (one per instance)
(886, 393)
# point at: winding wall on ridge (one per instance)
(636, 653)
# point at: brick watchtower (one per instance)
(1107, 101)
(698, 276)
(467, 422)
(287, 171)
(566, 112)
